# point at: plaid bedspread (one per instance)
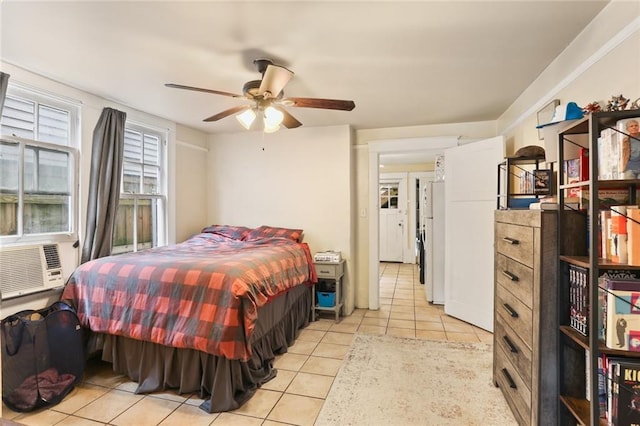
(201, 294)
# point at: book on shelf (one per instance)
(622, 327)
(633, 235)
(579, 296)
(609, 155)
(625, 399)
(576, 170)
(543, 181)
(605, 234)
(619, 234)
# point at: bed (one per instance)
(208, 315)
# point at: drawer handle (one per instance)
(511, 276)
(511, 311)
(509, 343)
(512, 384)
(511, 240)
(324, 272)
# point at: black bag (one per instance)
(42, 356)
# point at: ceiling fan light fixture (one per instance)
(272, 117)
(246, 118)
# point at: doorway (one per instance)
(411, 147)
(393, 219)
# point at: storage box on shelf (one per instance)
(517, 182)
(579, 354)
(329, 298)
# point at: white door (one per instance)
(392, 220)
(470, 200)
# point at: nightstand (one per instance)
(332, 272)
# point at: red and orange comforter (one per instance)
(201, 294)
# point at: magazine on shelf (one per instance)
(628, 139)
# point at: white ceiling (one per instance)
(403, 63)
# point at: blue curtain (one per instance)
(104, 184)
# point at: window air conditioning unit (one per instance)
(29, 269)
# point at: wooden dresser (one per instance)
(525, 314)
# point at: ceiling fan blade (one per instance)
(320, 103)
(198, 89)
(274, 79)
(227, 112)
(289, 121)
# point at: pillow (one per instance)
(233, 232)
(274, 232)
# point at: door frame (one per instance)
(437, 145)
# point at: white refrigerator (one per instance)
(433, 218)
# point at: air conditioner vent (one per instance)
(51, 255)
(29, 269)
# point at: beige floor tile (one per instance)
(314, 385)
(78, 421)
(281, 381)
(457, 327)
(403, 294)
(376, 314)
(338, 338)
(128, 386)
(331, 350)
(40, 418)
(429, 325)
(431, 335)
(297, 410)
(324, 366)
(308, 335)
(290, 361)
(485, 338)
(401, 332)
(397, 323)
(344, 328)
(302, 347)
(260, 404)
(402, 302)
(372, 329)
(147, 412)
(109, 406)
(401, 309)
(379, 322)
(273, 423)
(189, 415)
(359, 312)
(462, 337)
(409, 316)
(429, 316)
(80, 396)
(321, 324)
(230, 419)
(350, 320)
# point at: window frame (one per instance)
(71, 148)
(161, 196)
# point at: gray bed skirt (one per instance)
(224, 384)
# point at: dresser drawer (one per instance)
(515, 241)
(515, 391)
(329, 270)
(514, 349)
(515, 277)
(516, 314)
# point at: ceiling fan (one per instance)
(268, 99)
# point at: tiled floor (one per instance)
(305, 373)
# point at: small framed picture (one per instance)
(546, 114)
(542, 181)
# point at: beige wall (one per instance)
(192, 197)
(298, 178)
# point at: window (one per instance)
(140, 221)
(38, 167)
(389, 195)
